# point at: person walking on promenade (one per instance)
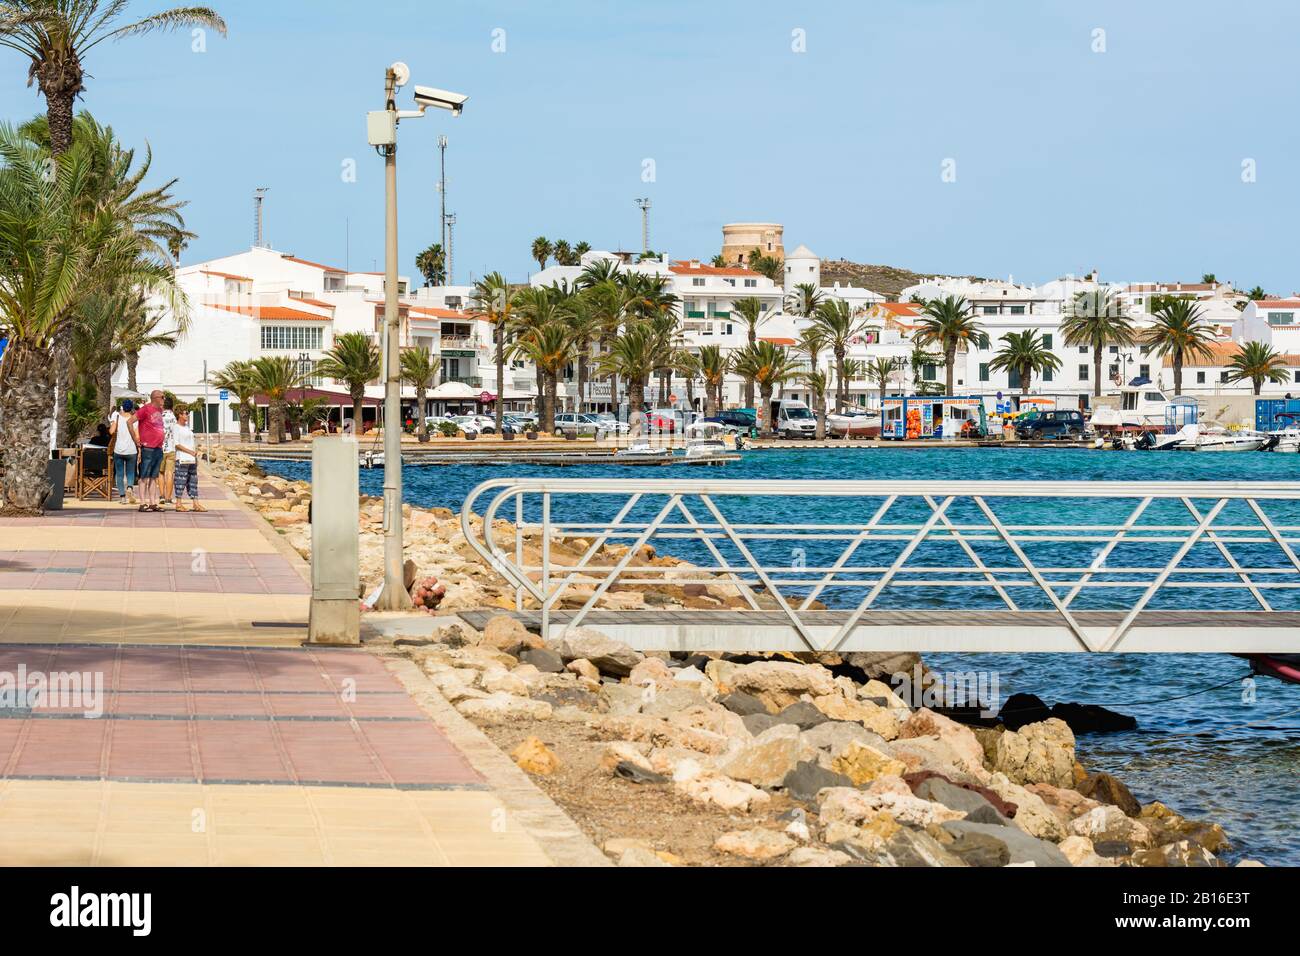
(152, 434)
(187, 464)
(168, 472)
(125, 446)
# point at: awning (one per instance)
(455, 392)
(334, 398)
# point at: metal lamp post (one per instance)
(382, 131)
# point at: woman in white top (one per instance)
(126, 448)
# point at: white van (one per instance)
(793, 419)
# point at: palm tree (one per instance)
(1258, 362)
(420, 368)
(563, 253)
(804, 300)
(948, 323)
(60, 244)
(769, 266)
(917, 361)
(812, 342)
(1097, 319)
(880, 370)
(432, 263)
(768, 366)
(632, 356)
(1180, 333)
(240, 379)
(534, 309)
(610, 299)
(491, 297)
(580, 249)
(753, 313)
(819, 386)
(354, 362)
(686, 363)
(1024, 354)
(138, 329)
(838, 327)
(584, 321)
(542, 250)
(548, 347)
(1256, 294)
(275, 378)
(714, 367)
(56, 36)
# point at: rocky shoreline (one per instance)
(799, 760)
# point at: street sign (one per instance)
(224, 395)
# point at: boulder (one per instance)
(816, 856)
(834, 735)
(742, 704)
(803, 715)
(778, 684)
(936, 755)
(972, 804)
(926, 723)
(807, 779)
(667, 703)
(624, 751)
(545, 660)
(1182, 853)
(917, 848)
(980, 849)
(756, 844)
(1033, 815)
(499, 680)
(608, 656)
(862, 763)
(722, 792)
(757, 723)
(533, 756)
(1022, 709)
(881, 694)
(875, 718)
(881, 665)
(1079, 851)
(766, 760)
(651, 672)
(1038, 753)
(1104, 788)
(1109, 824)
(1003, 809)
(1021, 847)
(840, 804)
(501, 708)
(1091, 719)
(506, 633)
(622, 699)
(583, 668)
(695, 679)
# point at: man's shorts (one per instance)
(150, 462)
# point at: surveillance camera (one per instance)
(427, 96)
(401, 73)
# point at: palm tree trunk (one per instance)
(501, 375)
(1178, 372)
(635, 399)
(950, 357)
(584, 359)
(25, 408)
(358, 409)
(766, 392)
(821, 416)
(104, 386)
(421, 426)
(841, 386)
(548, 401)
(245, 423)
(1096, 365)
(63, 383)
(541, 398)
(132, 360)
(710, 404)
(58, 112)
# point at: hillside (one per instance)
(887, 280)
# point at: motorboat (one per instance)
(705, 440)
(1145, 407)
(854, 424)
(640, 447)
(1218, 438)
(1288, 440)
(1154, 441)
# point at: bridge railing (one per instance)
(796, 549)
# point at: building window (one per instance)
(697, 282)
(1114, 350)
(1145, 350)
(990, 310)
(1048, 375)
(291, 338)
(929, 372)
(1047, 341)
(1200, 378)
(1083, 350)
(1084, 373)
(1017, 310)
(1281, 318)
(1296, 376)
(1144, 371)
(751, 283)
(984, 371)
(1223, 378)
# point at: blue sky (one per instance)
(1128, 160)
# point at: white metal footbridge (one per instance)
(1018, 566)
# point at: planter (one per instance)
(57, 471)
(531, 436)
(507, 436)
(570, 436)
(471, 436)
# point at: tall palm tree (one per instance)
(948, 323)
(56, 36)
(542, 250)
(420, 368)
(240, 379)
(812, 342)
(585, 323)
(880, 370)
(60, 244)
(632, 356)
(753, 313)
(1180, 332)
(768, 365)
(819, 385)
(275, 377)
(804, 300)
(534, 309)
(491, 298)
(354, 362)
(432, 263)
(563, 253)
(1097, 319)
(838, 326)
(548, 347)
(140, 328)
(686, 363)
(1024, 354)
(1258, 362)
(714, 366)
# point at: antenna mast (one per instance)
(644, 204)
(259, 196)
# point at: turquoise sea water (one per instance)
(1194, 754)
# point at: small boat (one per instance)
(641, 448)
(854, 424)
(1288, 440)
(1154, 441)
(704, 440)
(1285, 667)
(1221, 439)
(372, 459)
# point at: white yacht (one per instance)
(1218, 438)
(705, 440)
(1144, 406)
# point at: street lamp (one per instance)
(381, 126)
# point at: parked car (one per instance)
(1054, 424)
(570, 423)
(734, 420)
(610, 423)
(479, 423)
(435, 422)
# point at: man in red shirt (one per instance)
(152, 430)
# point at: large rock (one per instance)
(803, 715)
(1038, 753)
(608, 655)
(882, 665)
(501, 708)
(1033, 815)
(976, 808)
(980, 849)
(506, 633)
(889, 794)
(918, 848)
(651, 672)
(545, 660)
(742, 704)
(756, 844)
(1104, 788)
(862, 763)
(807, 779)
(1091, 719)
(767, 759)
(877, 719)
(1080, 852)
(665, 703)
(1021, 847)
(778, 684)
(833, 736)
(722, 792)
(1108, 824)
(1022, 709)
(926, 723)
(535, 757)
(936, 755)
(1182, 853)
(816, 856)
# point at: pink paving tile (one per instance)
(151, 705)
(372, 706)
(328, 752)
(10, 730)
(151, 750)
(239, 750)
(230, 705)
(418, 754)
(306, 705)
(62, 748)
(153, 668)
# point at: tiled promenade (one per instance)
(222, 740)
